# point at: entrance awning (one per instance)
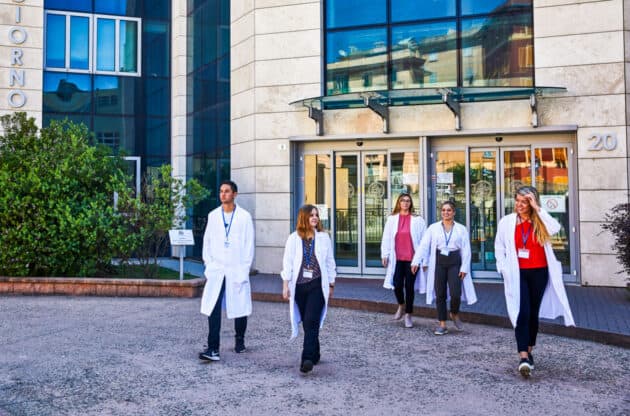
(380, 101)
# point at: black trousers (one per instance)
(404, 281)
(447, 272)
(533, 284)
(310, 302)
(214, 323)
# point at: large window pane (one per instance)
(492, 6)
(70, 5)
(498, 51)
(424, 55)
(405, 10)
(115, 95)
(356, 61)
(55, 41)
(157, 137)
(67, 93)
(106, 44)
(79, 42)
(116, 132)
(158, 96)
(343, 13)
(119, 7)
(128, 46)
(155, 49)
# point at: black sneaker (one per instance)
(524, 367)
(209, 355)
(306, 366)
(239, 345)
(530, 357)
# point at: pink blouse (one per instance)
(403, 242)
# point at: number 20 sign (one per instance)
(605, 141)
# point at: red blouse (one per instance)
(404, 244)
(537, 258)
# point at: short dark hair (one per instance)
(231, 184)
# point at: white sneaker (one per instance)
(408, 322)
(399, 313)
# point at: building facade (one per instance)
(345, 104)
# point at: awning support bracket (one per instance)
(380, 109)
(317, 115)
(447, 98)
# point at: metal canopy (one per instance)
(380, 101)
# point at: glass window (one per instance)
(115, 95)
(157, 135)
(118, 7)
(105, 44)
(159, 9)
(67, 93)
(116, 132)
(55, 41)
(155, 48)
(501, 51)
(158, 96)
(344, 13)
(128, 46)
(492, 6)
(352, 54)
(70, 5)
(405, 10)
(424, 55)
(79, 42)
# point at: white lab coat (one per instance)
(232, 263)
(291, 264)
(388, 245)
(554, 302)
(427, 256)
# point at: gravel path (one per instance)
(138, 356)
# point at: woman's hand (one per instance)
(414, 268)
(462, 275)
(385, 261)
(331, 290)
(286, 293)
(532, 202)
(425, 268)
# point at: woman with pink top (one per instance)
(401, 239)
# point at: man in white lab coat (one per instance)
(228, 252)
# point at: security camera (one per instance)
(359, 144)
(498, 139)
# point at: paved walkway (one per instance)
(601, 314)
(84, 356)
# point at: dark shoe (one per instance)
(530, 357)
(306, 366)
(440, 330)
(316, 360)
(209, 355)
(524, 367)
(458, 322)
(239, 345)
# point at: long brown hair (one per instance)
(540, 231)
(397, 206)
(303, 226)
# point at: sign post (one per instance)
(181, 238)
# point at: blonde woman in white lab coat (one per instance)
(531, 274)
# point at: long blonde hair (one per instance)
(540, 231)
(303, 227)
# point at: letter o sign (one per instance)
(17, 98)
(17, 35)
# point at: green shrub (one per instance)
(56, 212)
(619, 225)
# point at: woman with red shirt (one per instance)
(532, 276)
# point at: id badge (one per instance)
(307, 273)
(523, 253)
(226, 244)
(445, 252)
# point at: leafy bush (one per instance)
(150, 217)
(56, 212)
(619, 225)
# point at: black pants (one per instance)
(310, 301)
(447, 272)
(404, 281)
(533, 284)
(214, 323)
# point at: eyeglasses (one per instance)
(408, 201)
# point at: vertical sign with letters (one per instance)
(17, 36)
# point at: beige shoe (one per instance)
(408, 323)
(399, 313)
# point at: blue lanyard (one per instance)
(524, 237)
(228, 227)
(307, 256)
(450, 234)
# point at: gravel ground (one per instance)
(138, 356)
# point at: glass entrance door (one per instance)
(346, 233)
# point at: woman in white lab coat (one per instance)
(308, 281)
(445, 255)
(531, 274)
(401, 239)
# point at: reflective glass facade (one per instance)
(124, 96)
(396, 44)
(208, 107)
